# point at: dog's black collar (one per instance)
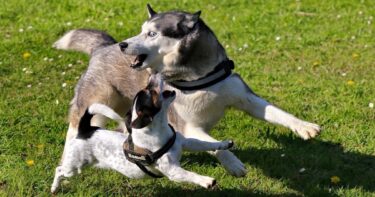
(221, 72)
(144, 157)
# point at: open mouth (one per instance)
(166, 94)
(138, 61)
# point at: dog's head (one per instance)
(150, 104)
(161, 36)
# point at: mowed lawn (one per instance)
(315, 59)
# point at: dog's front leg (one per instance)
(191, 144)
(245, 99)
(56, 181)
(178, 174)
(60, 173)
(230, 162)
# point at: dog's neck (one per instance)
(194, 59)
(153, 136)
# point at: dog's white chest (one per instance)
(202, 108)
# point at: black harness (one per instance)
(221, 72)
(143, 157)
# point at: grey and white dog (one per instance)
(181, 47)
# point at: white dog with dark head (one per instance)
(150, 131)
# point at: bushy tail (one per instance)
(85, 130)
(84, 40)
(106, 111)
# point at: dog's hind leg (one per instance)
(245, 99)
(230, 162)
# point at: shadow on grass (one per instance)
(322, 160)
(205, 192)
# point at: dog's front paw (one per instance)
(306, 130)
(208, 182)
(54, 189)
(227, 144)
(231, 163)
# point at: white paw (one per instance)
(306, 130)
(53, 189)
(231, 163)
(227, 144)
(208, 182)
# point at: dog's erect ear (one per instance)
(151, 12)
(193, 19)
(197, 14)
(141, 121)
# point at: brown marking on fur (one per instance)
(156, 99)
(175, 120)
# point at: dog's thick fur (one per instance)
(179, 46)
(104, 148)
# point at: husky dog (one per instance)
(184, 50)
(150, 131)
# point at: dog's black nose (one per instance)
(123, 45)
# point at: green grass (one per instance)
(293, 53)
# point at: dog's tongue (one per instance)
(138, 61)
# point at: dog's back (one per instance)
(101, 147)
(94, 146)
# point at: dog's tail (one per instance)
(85, 130)
(106, 111)
(84, 40)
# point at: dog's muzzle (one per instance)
(138, 60)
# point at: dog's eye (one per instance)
(152, 34)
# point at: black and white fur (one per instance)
(104, 148)
(179, 46)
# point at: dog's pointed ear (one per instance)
(197, 14)
(193, 20)
(141, 121)
(150, 11)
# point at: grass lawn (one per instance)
(315, 59)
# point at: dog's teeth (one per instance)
(135, 61)
(138, 61)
